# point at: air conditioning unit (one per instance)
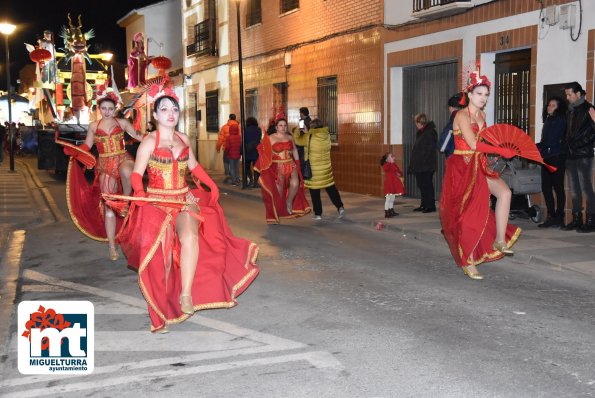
(567, 16)
(550, 15)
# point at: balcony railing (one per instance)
(202, 40)
(419, 5)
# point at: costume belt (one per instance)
(464, 152)
(282, 160)
(115, 153)
(169, 192)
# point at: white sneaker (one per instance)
(317, 218)
(341, 212)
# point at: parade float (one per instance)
(62, 97)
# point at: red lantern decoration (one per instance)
(40, 55)
(161, 63)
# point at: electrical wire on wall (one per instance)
(580, 21)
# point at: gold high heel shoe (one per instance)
(289, 208)
(113, 253)
(473, 275)
(163, 330)
(503, 248)
(186, 308)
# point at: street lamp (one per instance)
(6, 29)
(242, 115)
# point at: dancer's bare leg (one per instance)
(125, 171)
(294, 183)
(187, 231)
(500, 190)
(109, 184)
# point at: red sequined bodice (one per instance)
(167, 172)
(110, 144)
(282, 150)
(460, 143)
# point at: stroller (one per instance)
(524, 179)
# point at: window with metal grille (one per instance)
(202, 40)
(254, 15)
(212, 106)
(328, 105)
(513, 85)
(251, 98)
(288, 5)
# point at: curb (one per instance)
(47, 197)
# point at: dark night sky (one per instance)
(32, 17)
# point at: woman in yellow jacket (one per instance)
(317, 148)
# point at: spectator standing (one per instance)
(550, 147)
(303, 124)
(446, 142)
(233, 150)
(252, 138)
(423, 162)
(221, 141)
(316, 141)
(578, 144)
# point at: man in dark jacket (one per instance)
(423, 162)
(578, 144)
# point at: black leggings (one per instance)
(554, 182)
(333, 194)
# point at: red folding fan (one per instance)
(84, 157)
(512, 137)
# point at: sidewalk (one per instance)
(560, 250)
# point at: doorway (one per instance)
(512, 88)
(426, 89)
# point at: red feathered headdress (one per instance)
(475, 79)
(158, 90)
(104, 92)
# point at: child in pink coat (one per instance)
(393, 185)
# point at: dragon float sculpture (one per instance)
(75, 50)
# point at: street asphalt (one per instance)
(340, 309)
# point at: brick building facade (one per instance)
(319, 54)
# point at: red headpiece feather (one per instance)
(104, 92)
(477, 79)
(158, 90)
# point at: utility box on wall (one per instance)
(567, 16)
(551, 15)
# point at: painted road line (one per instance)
(9, 278)
(319, 359)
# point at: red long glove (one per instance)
(73, 153)
(486, 148)
(200, 174)
(136, 181)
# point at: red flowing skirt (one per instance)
(225, 268)
(85, 205)
(468, 221)
(275, 204)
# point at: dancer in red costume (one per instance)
(112, 173)
(281, 181)
(473, 232)
(178, 239)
